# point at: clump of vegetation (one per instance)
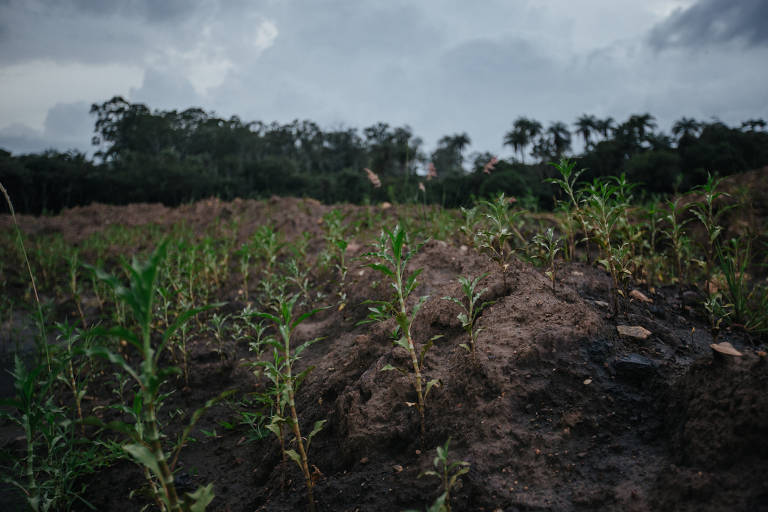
(146, 439)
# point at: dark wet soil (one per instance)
(559, 412)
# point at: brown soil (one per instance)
(559, 413)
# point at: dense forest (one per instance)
(173, 157)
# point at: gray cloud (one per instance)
(67, 126)
(441, 66)
(709, 22)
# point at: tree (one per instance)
(448, 157)
(585, 126)
(605, 126)
(561, 138)
(686, 129)
(753, 125)
(524, 132)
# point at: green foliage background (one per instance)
(174, 157)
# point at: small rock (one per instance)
(587, 382)
(601, 304)
(364, 460)
(633, 331)
(398, 468)
(638, 295)
(634, 366)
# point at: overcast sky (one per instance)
(440, 66)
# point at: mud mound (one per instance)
(718, 417)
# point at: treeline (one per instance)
(174, 157)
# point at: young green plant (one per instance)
(471, 310)
(390, 257)
(548, 247)
(449, 474)
(146, 439)
(286, 384)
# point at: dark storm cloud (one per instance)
(714, 21)
(149, 10)
(90, 31)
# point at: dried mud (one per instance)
(559, 412)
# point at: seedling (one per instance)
(548, 247)
(471, 310)
(494, 236)
(573, 205)
(390, 258)
(336, 248)
(285, 385)
(219, 327)
(449, 473)
(717, 313)
(53, 463)
(709, 216)
(145, 445)
(605, 209)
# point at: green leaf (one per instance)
(432, 383)
(294, 457)
(315, 430)
(389, 367)
(382, 268)
(143, 456)
(201, 498)
(403, 342)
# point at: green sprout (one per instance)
(548, 247)
(146, 439)
(471, 310)
(449, 474)
(390, 258)
(286, 384)
(494, 236)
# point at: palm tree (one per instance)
(518, 140)
(642, 125)
(585, 125)
(561, 138)
(686, 128)
(523, 133)
(449, 157)
(605, 126)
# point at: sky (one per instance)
(440, 66)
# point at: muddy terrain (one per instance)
(560, 411)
